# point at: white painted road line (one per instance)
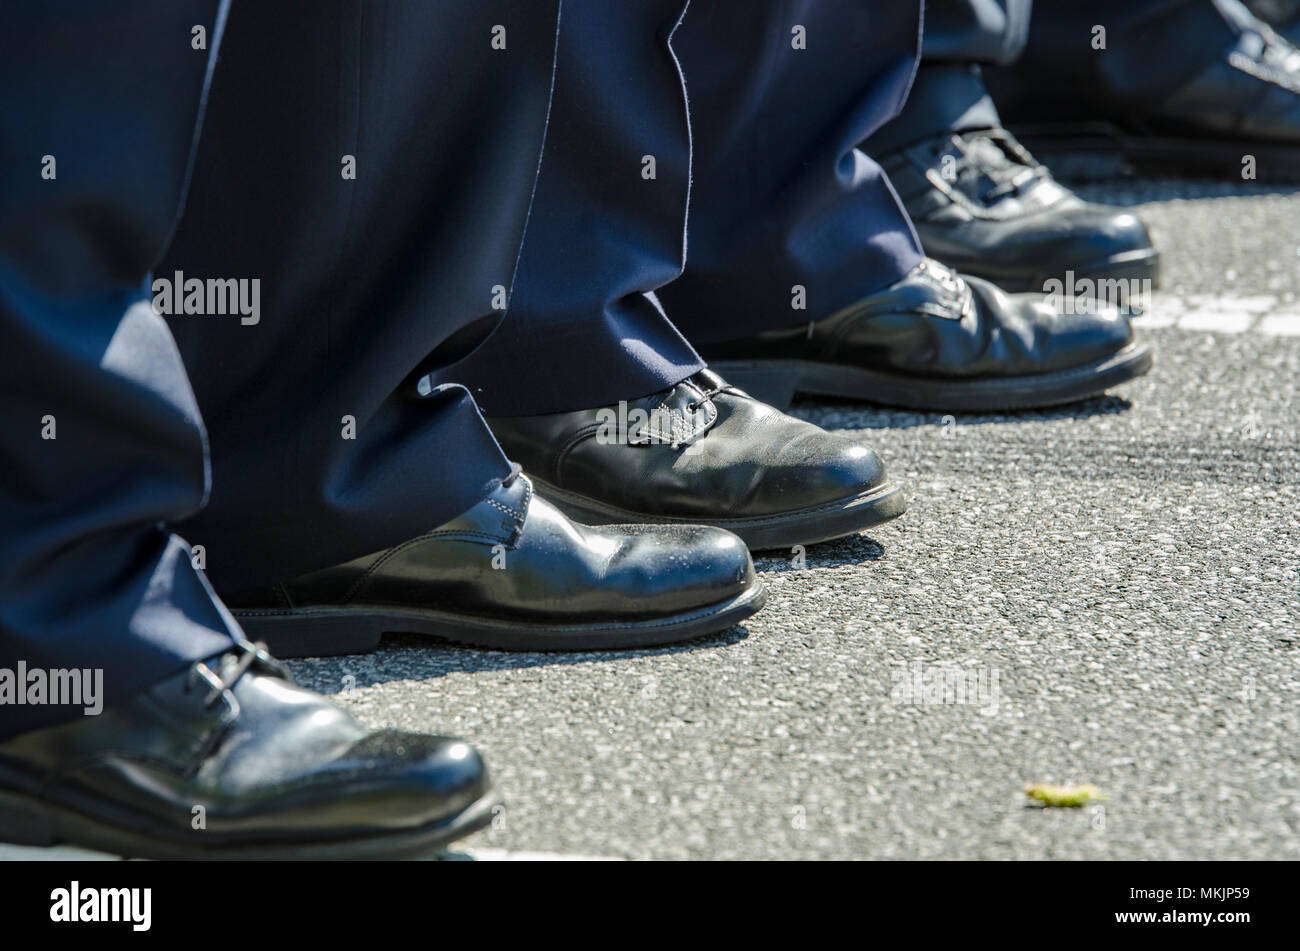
(1280, 324)
(1223, 314)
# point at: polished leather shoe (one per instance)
(937, 341)
(513, 573)
(981, 204)
(231, 760)
(704, 452)
(1245, 103)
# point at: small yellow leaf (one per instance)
(1067, 796)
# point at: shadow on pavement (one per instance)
(864, 416)
(854, 550)
(415, 657)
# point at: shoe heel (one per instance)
(303, 634)
(770, 383)
(22, 822)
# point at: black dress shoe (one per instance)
(1244, 103)
(704, 452)
(513, 573)
(981, 204)
(936, 341)
(231, 760)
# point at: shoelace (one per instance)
(941, 274)
(231, 666)
(949, 280)
(515, 471)
(1279, 52)
(695, 404)
(997, 156)
(1266, 55)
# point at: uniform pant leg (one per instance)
(778, 195)
(975, 31)
(960, 38)
(1151, 48)
(606, 228)
(101, 443)
(371, 164)
(789, 221)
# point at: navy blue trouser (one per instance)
(753, 110)
(319, 452)
(1157, 42)
(102, 447)
(1040, 59)
(101, 443)
(1152, 47)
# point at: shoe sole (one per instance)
(777, 381)
(324, 632)
(1098, 151)
(807, 526)
(25, 820)
(1140, 265)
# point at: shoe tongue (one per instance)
(707, 379)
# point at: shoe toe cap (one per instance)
(413, 778)
(1084, 332)
(1058, 246)
(1032, 333)
(1094, 233)
(674, 568)
(813, 467)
